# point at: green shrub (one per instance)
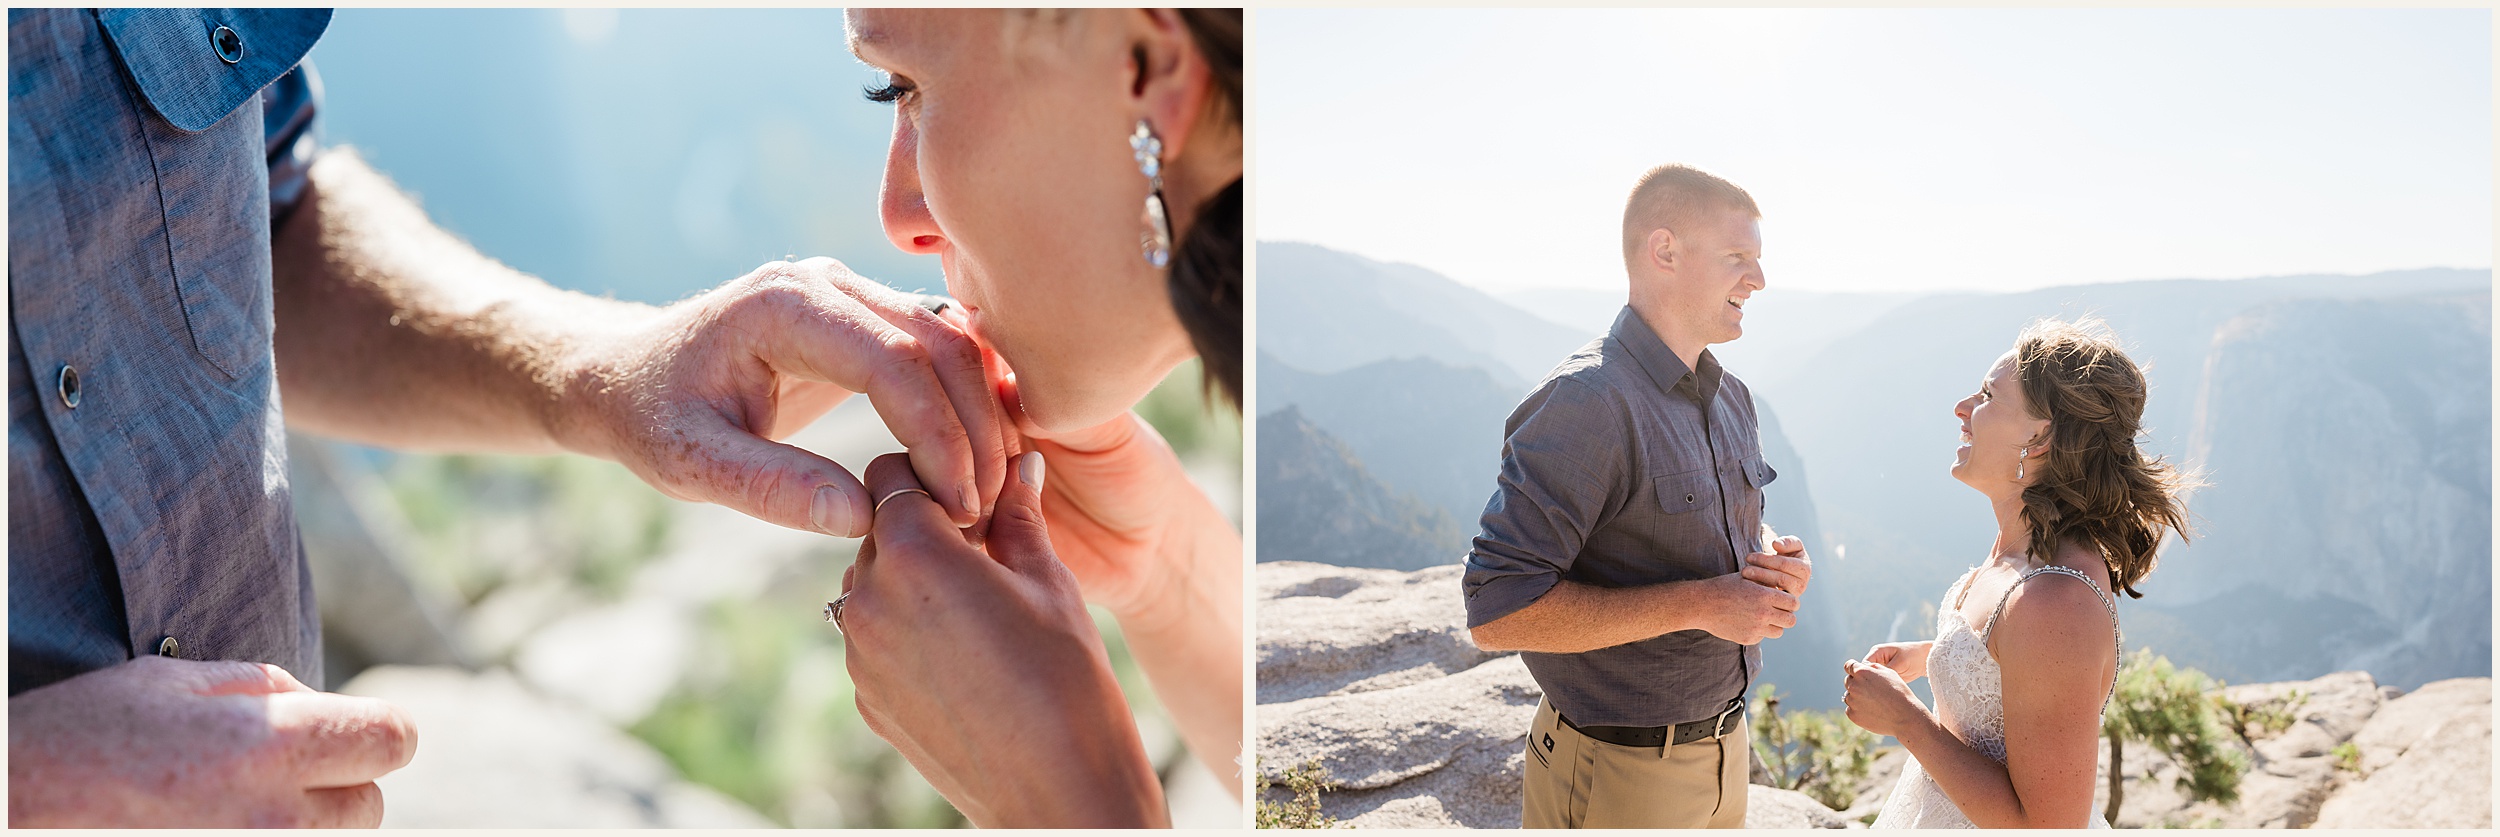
(2167, 708)
(2347, 757)
(1302, 811)
(2262, 718)
(1818, 753)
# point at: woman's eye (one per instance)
(892, 91)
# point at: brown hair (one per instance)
(2094, 486)
(1668, 195)
(1205, 280)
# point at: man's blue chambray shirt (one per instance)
(1625, 468)
(147, 460)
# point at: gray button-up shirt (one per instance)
(1625, 468)
(142, 168)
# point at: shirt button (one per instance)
(1689, 498)
(68, 386)
(228, 44)
(169, 647)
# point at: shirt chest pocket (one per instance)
(1687, 492)
(201, 139)
(1758, 472)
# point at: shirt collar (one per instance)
(1664, 368)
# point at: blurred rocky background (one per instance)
(579, 651)
(1375, 711)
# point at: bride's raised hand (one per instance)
(1908, 659)
(1878, 700)
(982, 668)
(1122, 509)
(1146, 544)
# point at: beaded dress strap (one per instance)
(2117, 641)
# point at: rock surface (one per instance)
(1370, 673)
(2426, 759)
(491, 753)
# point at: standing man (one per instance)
(180, 251)
(1620, 551)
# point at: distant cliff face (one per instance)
(2328, 413)
(2349, 446)
(1422, 427)
(1317, 503)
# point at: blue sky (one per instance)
(645, 153)
(1890, 150)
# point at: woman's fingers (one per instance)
(907, 520)
(1019, 537)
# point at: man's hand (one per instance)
(1787, 569)
(1735, 608)
(158, 742)
(392, 332)
(691, 399)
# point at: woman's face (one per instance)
(1997, 426)
(1010, 162)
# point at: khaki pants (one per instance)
(1574, 781)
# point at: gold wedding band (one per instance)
(880, 506)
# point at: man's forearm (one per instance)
(391, 331)
(1574, 617)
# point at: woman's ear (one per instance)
(1169, 81)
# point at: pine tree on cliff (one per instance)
(2167, 708)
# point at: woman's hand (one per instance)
(1879, 701)
(1117, 498)
(1908, 659)
(692, 396)
(1147, 545)
(984, 669)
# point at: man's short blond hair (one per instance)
(1670, 195)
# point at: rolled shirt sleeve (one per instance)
(1564, 455)
(291, 136)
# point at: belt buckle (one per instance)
(1718, 727)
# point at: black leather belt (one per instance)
(1684, 733)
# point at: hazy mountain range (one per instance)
(2343, 423)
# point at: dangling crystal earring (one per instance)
(2019, 462)
(1156, 241)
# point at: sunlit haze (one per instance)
(1889, 150)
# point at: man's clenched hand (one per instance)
(158, 742)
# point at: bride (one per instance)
(2027, 645)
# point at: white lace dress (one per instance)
(1969, 692)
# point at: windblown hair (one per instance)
(1669, 195)
(2095, 487)
(1205, 279)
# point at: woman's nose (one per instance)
(902, 205)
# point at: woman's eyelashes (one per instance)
(893, 90)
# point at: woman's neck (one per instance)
(2013, 543)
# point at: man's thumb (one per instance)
(1017, 535)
